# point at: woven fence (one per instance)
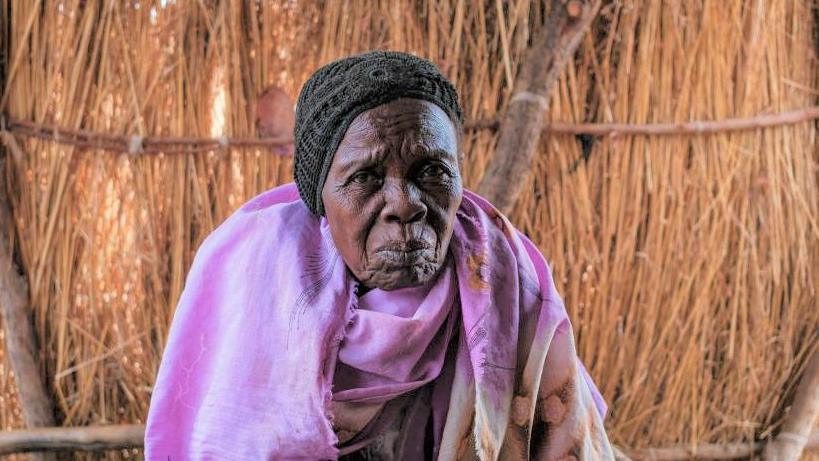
(687, 261)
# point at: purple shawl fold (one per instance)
(248, 368)
(395, 342)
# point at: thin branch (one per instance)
(136, 144)
(666, 129)
(87, 139)
(689, 128)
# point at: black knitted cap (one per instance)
(338, 92)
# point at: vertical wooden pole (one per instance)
(801, 419)
(15, 314)
(520, 129)
(21, 343)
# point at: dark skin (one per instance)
(392, 192)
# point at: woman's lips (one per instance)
(408, 253)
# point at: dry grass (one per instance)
(688, 263)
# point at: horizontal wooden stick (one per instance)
(709, 451)
(170, 145)
(89, 438)
(135, 144)
(689, 128)
(115, 437)
(665, 129)
(702, 451)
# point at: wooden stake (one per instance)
(21, 344)
(800, 421)
(520, 131)
(92, 438)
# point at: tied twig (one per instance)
(136, 144)
(169, 144)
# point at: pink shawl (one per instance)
(247, 372)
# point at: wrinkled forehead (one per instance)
(401, 121)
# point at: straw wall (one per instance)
(688, 264)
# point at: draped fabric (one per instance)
(269, 314)
(396, 342)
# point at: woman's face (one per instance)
(392, 192)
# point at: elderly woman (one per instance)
(375, 309)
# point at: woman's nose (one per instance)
(403, 204)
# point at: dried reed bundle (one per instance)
(687, 264)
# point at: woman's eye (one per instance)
(362, 177)
(433, 171)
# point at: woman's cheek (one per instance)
(350, 199)
(366, 216)
(448, 190)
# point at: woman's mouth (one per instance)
(407, 253)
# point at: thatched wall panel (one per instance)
(701, 249)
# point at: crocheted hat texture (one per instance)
(338, 92)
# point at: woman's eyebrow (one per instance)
(437, 154)
(363, 158)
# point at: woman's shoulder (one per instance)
(280, 205)
(283, 194)
(276, 215)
